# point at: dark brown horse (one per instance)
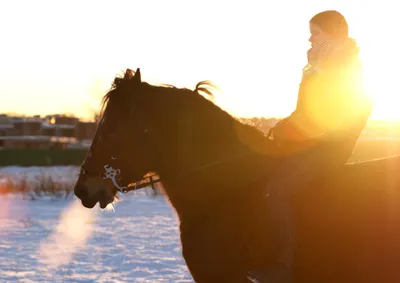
(213, 169)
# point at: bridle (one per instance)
(152, 179)
(114, 176)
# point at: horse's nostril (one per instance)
(81, 192)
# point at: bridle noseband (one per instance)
(114, 176)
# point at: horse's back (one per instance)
(350, 223)
(377, 174)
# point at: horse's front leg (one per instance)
(210, 262)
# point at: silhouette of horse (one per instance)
(213, 169)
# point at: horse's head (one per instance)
(176, 132)
(121, 132)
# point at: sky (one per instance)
(61, 56)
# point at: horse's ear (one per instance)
(137, 76)
(128, 74)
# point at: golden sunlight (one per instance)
(256, 61)
(382, 85)
(374, 30)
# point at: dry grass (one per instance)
(44, 185)
(32, 189)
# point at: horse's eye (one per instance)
(111, 133)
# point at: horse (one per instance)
(213, 167)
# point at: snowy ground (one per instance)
(61, 241)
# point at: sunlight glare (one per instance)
(248, 50)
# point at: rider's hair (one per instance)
(331, 22)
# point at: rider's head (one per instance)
(328, 25)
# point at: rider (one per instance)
(332, 110)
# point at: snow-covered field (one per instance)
(61, 241)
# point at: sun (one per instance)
(381, 65)
(382, 87)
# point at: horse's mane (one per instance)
(120, 90)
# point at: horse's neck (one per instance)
(203, 141)
(213, 161)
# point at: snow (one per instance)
(49, 240)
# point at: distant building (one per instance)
(61, 120)
(6, 129)
(53, 131)
(6, 125)
(29, 127)
(58, 130)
